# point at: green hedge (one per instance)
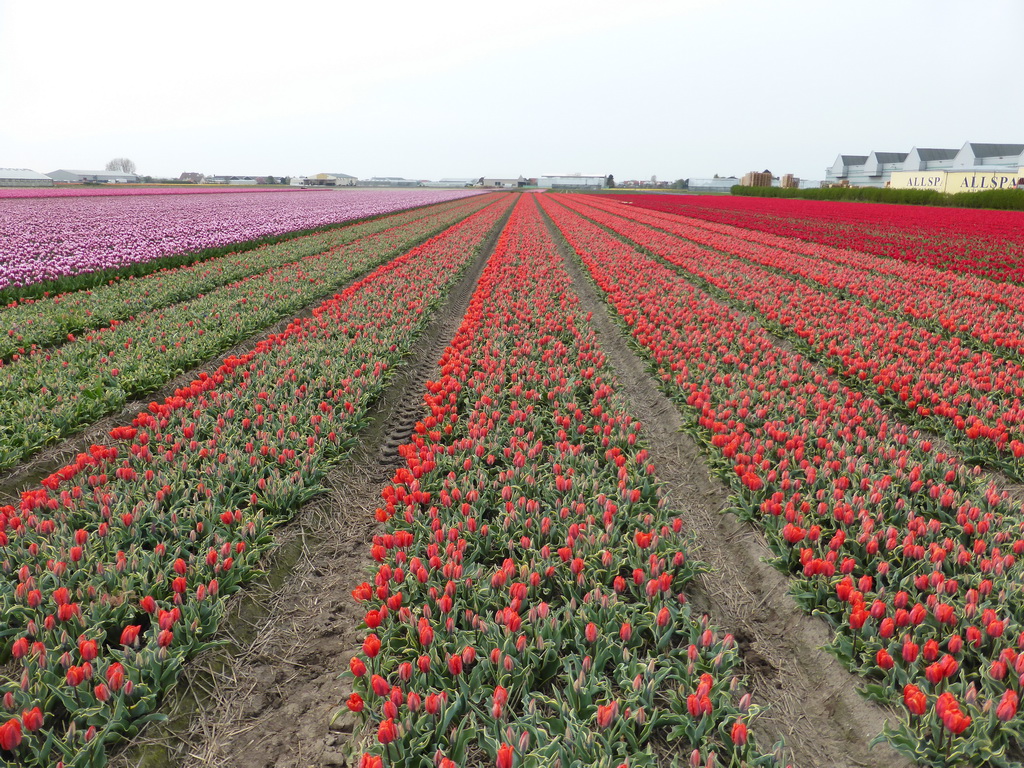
(1001, 199)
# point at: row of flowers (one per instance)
(986, 313)
(910, 554)
(979, 242)
(527, 608)
(131, 190)
(47, 321)
(50, 393)
(972, 398)
(43, 239)
(114, 569)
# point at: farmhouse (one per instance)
(973, 167)
(108, 177)
(331, 180)
(23, 177)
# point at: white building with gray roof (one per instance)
(110, 177)
(23, 177)
(928, 165)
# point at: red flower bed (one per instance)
(912, 560)
(973, 398)
(115, 568)
(985, 243)
(528, 602)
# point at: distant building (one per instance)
(23, 177)
(451, 183)
(331, 180)
(973, 167)
(572, 181)
(388, 181)
(506, 183)
(192, 178)
(102, 177)
(789, 181)
(757, 179)
(722, 184)
(243, 181)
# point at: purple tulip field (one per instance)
(47, 238)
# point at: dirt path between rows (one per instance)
(812, 700)
(269, 702)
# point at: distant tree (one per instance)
(122, 164)
(681, 184)
(286, 180)
(610, 181)
(654, 179)
(271, 180)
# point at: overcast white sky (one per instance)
(676, 88)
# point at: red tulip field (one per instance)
(575, 480)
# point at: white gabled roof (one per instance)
(95, 173)
(22, 174)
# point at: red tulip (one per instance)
(387, 732)
(10, 735)
(87, 649)
(506, 756)
(380, 686)
(606, 714)
(371, 646)
(915, 700)
(739, 733)
(115, 676)
(455, 664)
(130, 634)
(32, 719)
(1007, 708)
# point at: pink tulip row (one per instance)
(33, 323)
(527, 609)
(114, 570)
(908, 553)
(45, 239)
(51, 393)
(131, 190)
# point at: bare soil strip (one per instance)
(812, 699)
(268, 698)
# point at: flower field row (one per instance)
(527, 608)
(49, 394)
(974, 399)
(986, 313)
(132, 190)
(45, 239)
(114, 571)
(984, 243)
(910, 555)
(47, 321)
